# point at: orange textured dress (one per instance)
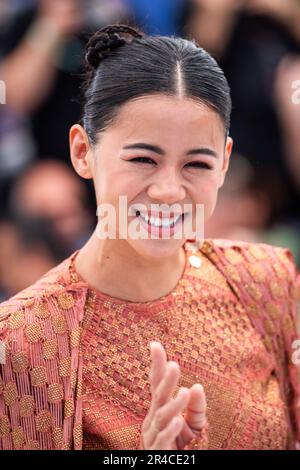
(75, 375)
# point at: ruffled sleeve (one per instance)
(267, 282)
(291, 340)
(39, 371)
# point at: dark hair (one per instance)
(122, 64)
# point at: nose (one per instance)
(167, 187)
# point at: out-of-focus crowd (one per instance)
(47, 212)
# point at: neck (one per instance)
(113, 268)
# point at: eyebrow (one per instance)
(156, 149)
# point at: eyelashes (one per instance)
(200, 165)
(141, 160)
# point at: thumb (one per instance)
(196, 409)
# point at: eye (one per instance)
(142, 160)
(199, 165)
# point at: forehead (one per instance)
(161, 116)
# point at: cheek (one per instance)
(206, 187)
(210, 206)
(205, 192)
(112, 183)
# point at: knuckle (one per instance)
(159, 419)
(200, 423)
(203, 422)
(157, 398)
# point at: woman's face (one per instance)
(183, 162)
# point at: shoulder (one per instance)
(264, 277)
(266, 280)
(263, 262)
(52, 296)
(258, 251)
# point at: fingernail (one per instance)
(199, 386)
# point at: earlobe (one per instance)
(80, 151)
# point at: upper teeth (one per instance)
(160, 222)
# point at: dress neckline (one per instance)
(191, 255)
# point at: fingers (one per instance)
(158, 427)
(168, 384)
(195, 419)
(196, 409)
(165, 386)
(166, 438)
(165, 414)
(165, 427)
(158, 364)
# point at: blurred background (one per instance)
(47, 212)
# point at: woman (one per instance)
(219, 316)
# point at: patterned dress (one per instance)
(75, 375)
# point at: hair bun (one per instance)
(107, 39)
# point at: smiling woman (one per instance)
(219, 316)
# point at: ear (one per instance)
(81, 152)
(227, 153)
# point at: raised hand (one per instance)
(173, 423)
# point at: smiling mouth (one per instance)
(161, 221)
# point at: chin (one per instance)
(156, 250)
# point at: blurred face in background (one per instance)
(52, 190)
